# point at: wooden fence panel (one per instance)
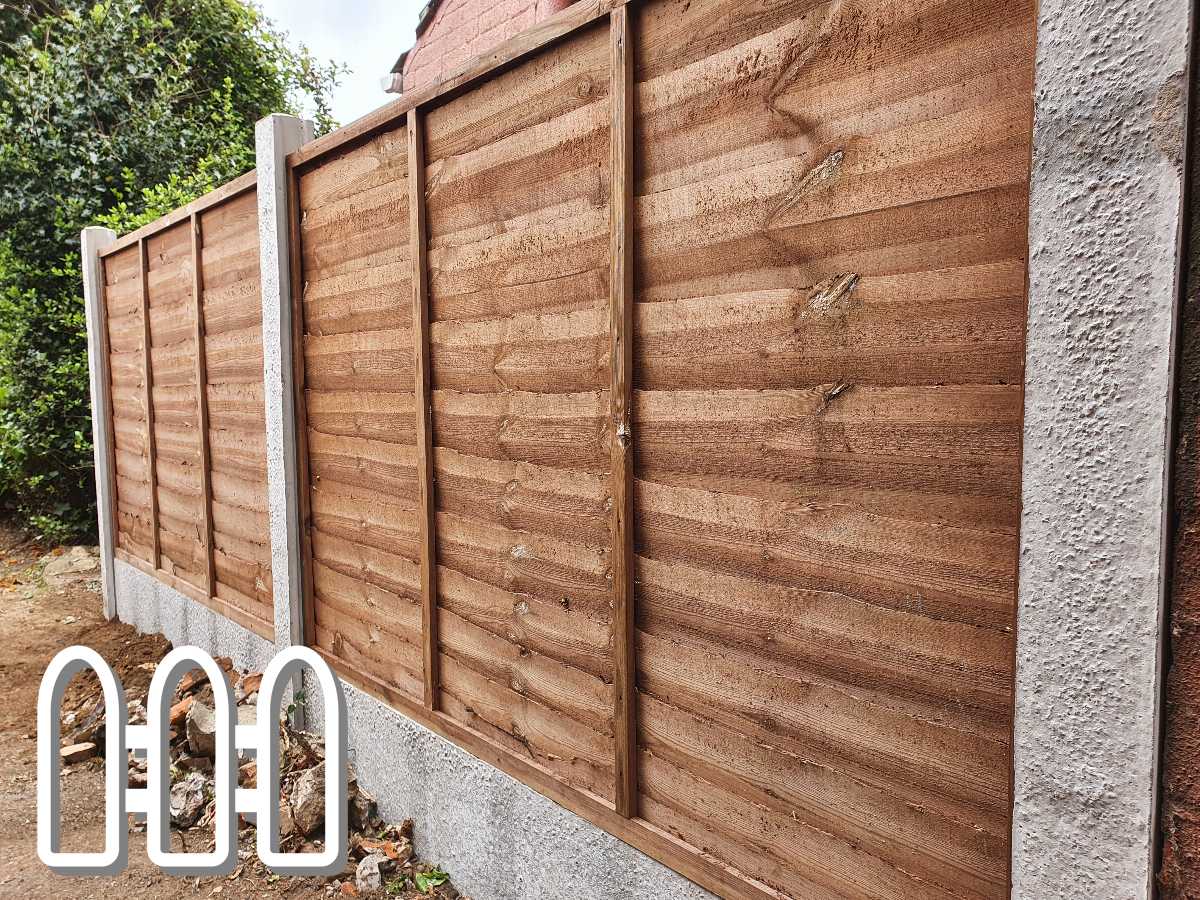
(131, 454)
(829, 245)
(659, 404)
(518, 189)
(169, 286)
(190, 465)
(233, 357)
(358, 376)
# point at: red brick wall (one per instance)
(462, 29)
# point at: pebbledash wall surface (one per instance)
(722, 446)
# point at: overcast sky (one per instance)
(366, 35)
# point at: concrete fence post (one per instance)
(275, 137)
(1105, 204)
(92, 241)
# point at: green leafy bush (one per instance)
(110, 113)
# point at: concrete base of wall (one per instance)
(154, 608)
(499, 839)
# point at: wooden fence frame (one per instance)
(191, 214)
(619, 818)
(1058, 832)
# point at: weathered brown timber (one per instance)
(148, 406)
(183, 326)
(578, 15)
(705, 320)
(210, 567)
(233, 398)
(830, 256)
(621, 400)
(131, 455)
(216, 197)
(518, 206)
(364, 453)
(828, 263)
(417, 238)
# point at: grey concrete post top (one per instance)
(92, 240)
(280, 133)
(98, 237)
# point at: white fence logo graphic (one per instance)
(261, 738)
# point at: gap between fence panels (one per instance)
(205, 451)
(297, 287)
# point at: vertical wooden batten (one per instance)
(621, 350)
(304, 493)
(421, 381)
(148, 397)
(210, 570)
(104, 351)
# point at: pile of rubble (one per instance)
(381, 860)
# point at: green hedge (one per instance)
(111, 113)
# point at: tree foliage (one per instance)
(114, 113)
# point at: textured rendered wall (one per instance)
(499, 839)
(1104, 210)
(154, 608)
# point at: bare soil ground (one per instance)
(36, 621)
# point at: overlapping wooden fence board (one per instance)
(169, 285)
(517, 194)
(191, 503)
(131, 455)
(808, 220)
(829, 242)
(360, 411)
(232, 309)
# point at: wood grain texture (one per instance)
(621, 338)
(195, 533)
(215, 197)
(131, 452)
(362, 388)
(579, 15)
(784, 245)
(518, 187)
(210, 567)
(155, 544)
(829, 261)
(417, 240)
(233, 402)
